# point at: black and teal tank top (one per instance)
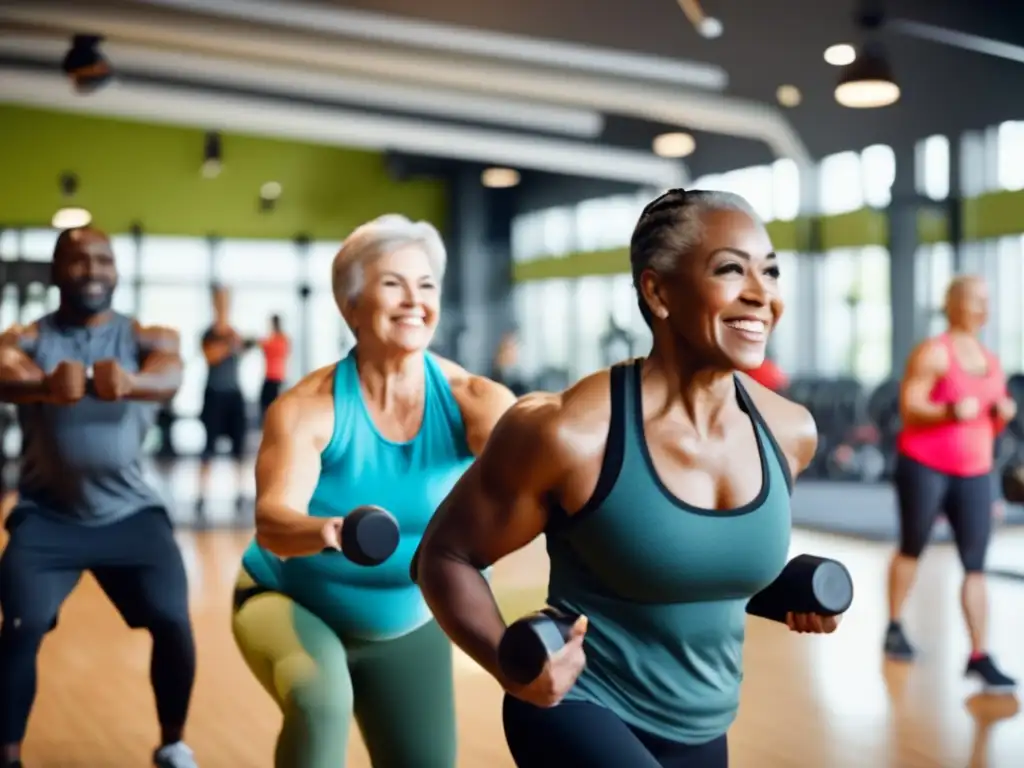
(664, 583)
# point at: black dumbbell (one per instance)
(807, 584)
(369, 535)
(528, 642)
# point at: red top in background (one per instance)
(769, 375)
(275, 350)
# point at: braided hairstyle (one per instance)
(671, 226)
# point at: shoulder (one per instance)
(473, 392)
(790, 423)
(557, 429)
(309, 405)
(17, 335)
(929, 356)
(156, 337)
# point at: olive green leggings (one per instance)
(400, 691)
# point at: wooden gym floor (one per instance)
(808, 702)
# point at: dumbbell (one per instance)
(807, 584)
(369, 535)
(528, 642)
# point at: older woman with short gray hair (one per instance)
(390, 425)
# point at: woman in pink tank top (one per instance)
(953, 404)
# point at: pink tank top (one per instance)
(960, 448)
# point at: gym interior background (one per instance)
(237, 144)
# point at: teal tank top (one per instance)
(665, 584)
(359, 466)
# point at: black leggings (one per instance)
(577, 734)
(966, 501)
(136, 562)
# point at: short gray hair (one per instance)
(671, 226)
(375, 239)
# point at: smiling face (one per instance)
(400, 302)
(722, 298)
(84, 271)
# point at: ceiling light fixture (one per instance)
(500, 178)
(868, 82)
(212, 156)
(87, 68)
(69, 217)
(674, 145)
(840, 55)
(788, 95)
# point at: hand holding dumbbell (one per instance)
(541, 656)
(808, 596)
(367, 535)
(110, 381)
(65, 384)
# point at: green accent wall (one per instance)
(996, 214)
(134, 172)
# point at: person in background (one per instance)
(224, 410)
(276, 349)
(769, 375)
(953, 404)
(506, 365)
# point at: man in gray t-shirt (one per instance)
(86, 382)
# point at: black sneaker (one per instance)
(897, 647)
(994, 681)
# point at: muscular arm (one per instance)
(21, 380)
(926, 365)
(495, 509)
(161, 368)
(287, 471)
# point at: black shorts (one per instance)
(577, 734)
(136, 562)
(224, 415)
(924, 492)
(271, 389)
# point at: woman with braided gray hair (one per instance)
(391, 426)
(662, 485)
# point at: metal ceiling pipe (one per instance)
(344, 128)
(713, 113)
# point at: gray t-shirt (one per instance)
(83, 462)
(222, 377)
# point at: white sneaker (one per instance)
(176, 755)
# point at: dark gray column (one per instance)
(903, 242)
(478, 282)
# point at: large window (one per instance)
(933, 273)
(175, 259)
(854, 313)
(1010, 155)
(1008, 311)
(878, 166)
(786, 190)
(264, 262)
(841, 183)
(932, 167)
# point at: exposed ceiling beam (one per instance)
(381, 28)
(321, 85)
(956, 39)
(714, 113)
(338, 127)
